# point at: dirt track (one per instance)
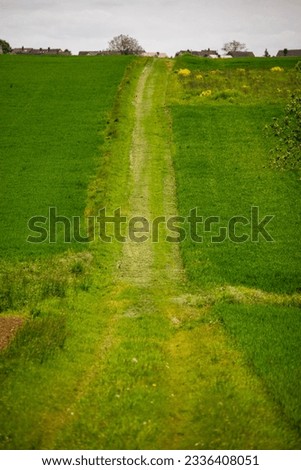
(153, 185)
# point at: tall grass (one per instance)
(24, 286)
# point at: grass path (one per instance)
(153, 370)
(168, 377)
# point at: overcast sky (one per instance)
(159, 25)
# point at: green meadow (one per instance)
(223, 168)
(54, 111)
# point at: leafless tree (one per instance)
(125, 45)
(234, 46)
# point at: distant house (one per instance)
(30, 51)
(49, 51)
(109, 53)
(239, 54)
(160, 55)
(21, 50)
(188, 51)
(206, 53)
(203, 53)
(89, 53)
(95, 53)
(289, 53)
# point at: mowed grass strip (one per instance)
(125, 404)
(222, 165)
(53, 114)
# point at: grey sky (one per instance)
(159, 25)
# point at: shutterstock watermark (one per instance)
(139, 229)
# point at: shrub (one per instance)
(287, 153)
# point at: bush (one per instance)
(5, 46)
(287, 153)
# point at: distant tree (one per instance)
(285, 51)
(266, 53)
(5, 46)
(125, 45)
(234, 46)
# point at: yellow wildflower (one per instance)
(206, 93)
(184, 72)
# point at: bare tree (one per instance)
(234, 46)
(125, 45)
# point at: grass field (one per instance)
(223, 168)
(53, 115)
(152, 345)
(65, 299)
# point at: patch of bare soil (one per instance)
(8, 329)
